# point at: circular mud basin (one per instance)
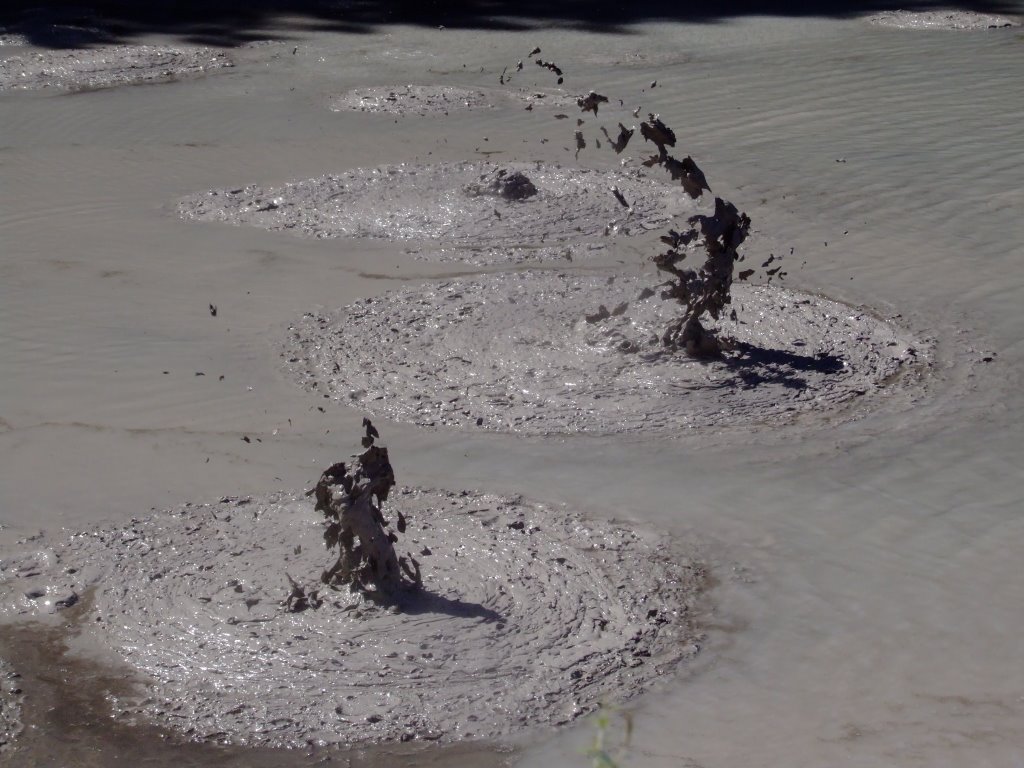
(527, 616)
(947, 19)
(425, 100)
(544, 352)
(107, 66)
(458, 209)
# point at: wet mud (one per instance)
(11, 696)
(544, 352)
(107, 66)
(527, 616)
(445, 207)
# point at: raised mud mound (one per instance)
(447, 205)
(946, 19)
(107, 66)
(543, 352)
(10, 706)
(527, 615)
(426, 100)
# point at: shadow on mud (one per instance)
(755, 365)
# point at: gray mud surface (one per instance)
(944, 19)
(529, 616)
(572, 213)
(10, 705)
(107, 66)
(422, 100)
(544, 352)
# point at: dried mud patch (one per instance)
(423, 100)
(436, 206)
(529, 615)
(544, 352)
(953, 20)
(107, 66)
(10, 706)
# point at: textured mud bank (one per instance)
(10, 706)
(449, 206)
(528, 615)
(941, 20)
(545, 352)
(107, 66)
(426, 100)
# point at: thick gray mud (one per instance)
(544, 352)
(107, 66)
(944, 19)
(10, 705)
(529, 615)
(423, 100)
(573, 212)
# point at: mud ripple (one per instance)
(107, 66)
(544, 352)
(529, 615)
(425, 100)
(572, 210)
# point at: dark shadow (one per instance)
(753, 366)
(232, 22)
(418, 602)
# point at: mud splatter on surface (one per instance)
(528, 615)
(441, 204)
(946, 19)
(542, 352)
(107, 66)
(425, 100)
(10, 705)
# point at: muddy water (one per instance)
(868, 602)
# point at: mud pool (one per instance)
(861, 555)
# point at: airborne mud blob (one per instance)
(526, 616)
(544, 352)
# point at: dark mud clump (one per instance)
(544, 352)
(508, 185)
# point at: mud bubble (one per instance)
(947, 19)
(440, 207)
(423, 100)
(10, 706)
(543, 352)
(527, 616)
(107, 66)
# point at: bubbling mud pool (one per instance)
(107, 66)
(544, 352)
(945, 19)
(572, 213)
(529, 615)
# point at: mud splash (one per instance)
(572, 211)
(542, 352)
(947, 19)
(107, 66)
(528, 615)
